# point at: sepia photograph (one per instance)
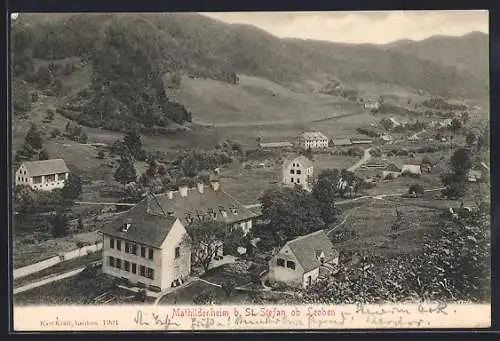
(277, 164)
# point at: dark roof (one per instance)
(393, 168)
(199, 205)
(45, 167)
(305, 249)
(146, 229)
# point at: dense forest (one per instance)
(134, 57)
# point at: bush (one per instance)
(55, 132)
(416, 189)
(100, 155)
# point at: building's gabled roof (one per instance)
(303, 161)
(392, 167)
(145, 229)
(313, 135)
(306, 248)
(45, 167)
(341, 142)
(217, 205)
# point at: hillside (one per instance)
(132, 58)
(468, 53)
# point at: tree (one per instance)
(55, 132)
(228, 286)
(59, 224)
(80, 223)
(100, 155)
(461, 162)
(43, 155)
(72, 187)
(204, 298)
(206, 239)
(471, 139)
(291, 212)
(456, 125)
(50, 115)
(33, 137)
(125, 173)
(132, 140)
(416, 189)
(325, 191)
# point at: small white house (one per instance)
(43, 175)
(304, 260)
(372, 105)
(298, 171)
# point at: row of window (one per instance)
(292, 171)
(298, 180)
(289, 264)
(132, 249)
(131, 267)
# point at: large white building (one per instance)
(298, 171)
(201, 202)
(42, 175)
(313, 140)
(149, 250)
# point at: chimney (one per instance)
(183, 190)
(200, 187)
(170, 195)
(215, 185)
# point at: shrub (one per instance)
(416, 189)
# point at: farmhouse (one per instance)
(411, 170)
(149, 250)
(42, 175)
(340, 142)
(202, 202)
(304, 260)
(386, 138)
(372, 105)
(298, 171)
(391, 170)
(313, 140)
(275, 145)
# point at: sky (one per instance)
(361, 27)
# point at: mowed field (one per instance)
(253, 101)
(372, 221)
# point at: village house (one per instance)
(202, 202)
(391, 170)
(386, 138)
(298, 172)
(372, 105)
(42, 175)
(313, 140)
(474, 175)
(340, 142)
(148, 250)
(413, 170)
(303, 261)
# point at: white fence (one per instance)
(29, 269)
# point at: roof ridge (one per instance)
(304, 236)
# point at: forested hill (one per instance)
(131, 54)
